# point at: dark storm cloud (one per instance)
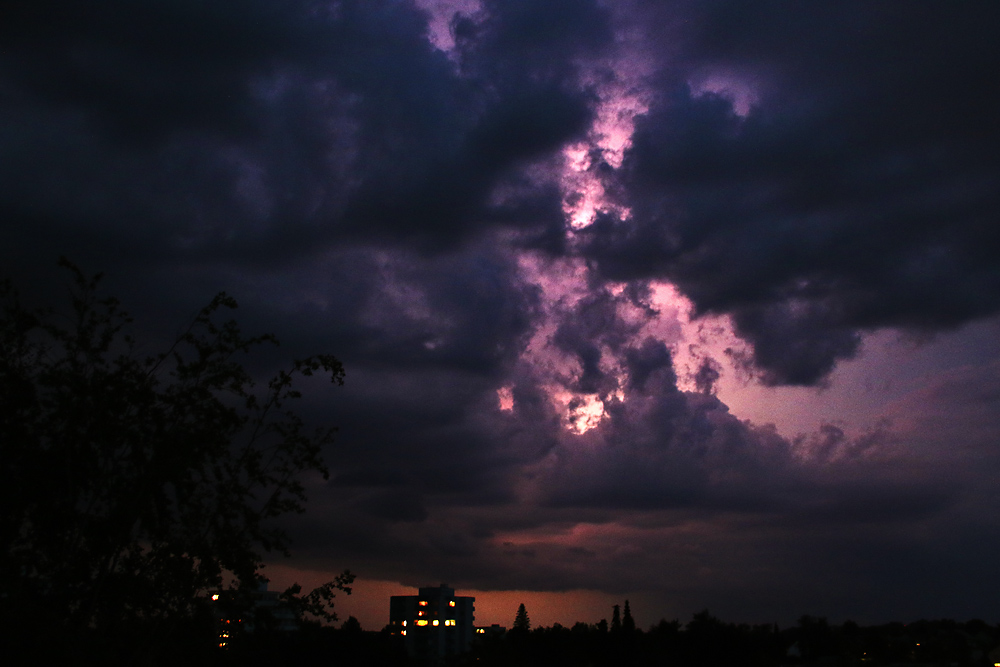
(518, 99)
(143, 71)
(859, 191)
(426, 343)
(661, 457)
(469, 311)
(522, 40)
(645, 360)
(588, 328)
(182, 131)
(661, 448)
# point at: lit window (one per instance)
(451, 603)
(404, 624)
(215, 597)
(421, 622)
(422, 603)
(435, 622)
(420, 613)
(481, 631)
(404, 633)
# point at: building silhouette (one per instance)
(434, 624)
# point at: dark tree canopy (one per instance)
(135, 485)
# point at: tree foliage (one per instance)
(136, 484)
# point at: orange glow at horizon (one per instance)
(369, 602)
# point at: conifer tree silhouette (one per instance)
(628, 624)
(616, 619)
(521, 621)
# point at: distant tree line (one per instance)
(704, 641)
(708, 641)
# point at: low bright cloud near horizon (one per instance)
(691, 303)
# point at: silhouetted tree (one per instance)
(135, 485)
(628, 624)
(616, 619)
(521, 621)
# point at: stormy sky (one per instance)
(692, 303)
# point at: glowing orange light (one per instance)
(435, 622)
(404, 633)
(422, 603)
(404, 624)
(215, 597)
(421, 622)
(451, 603)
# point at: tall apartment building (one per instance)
(434, 624)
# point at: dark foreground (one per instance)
(703, 641)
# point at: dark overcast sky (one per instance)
(689, 302)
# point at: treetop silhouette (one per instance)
(521, 621)
(628, 623)
(136, 485)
